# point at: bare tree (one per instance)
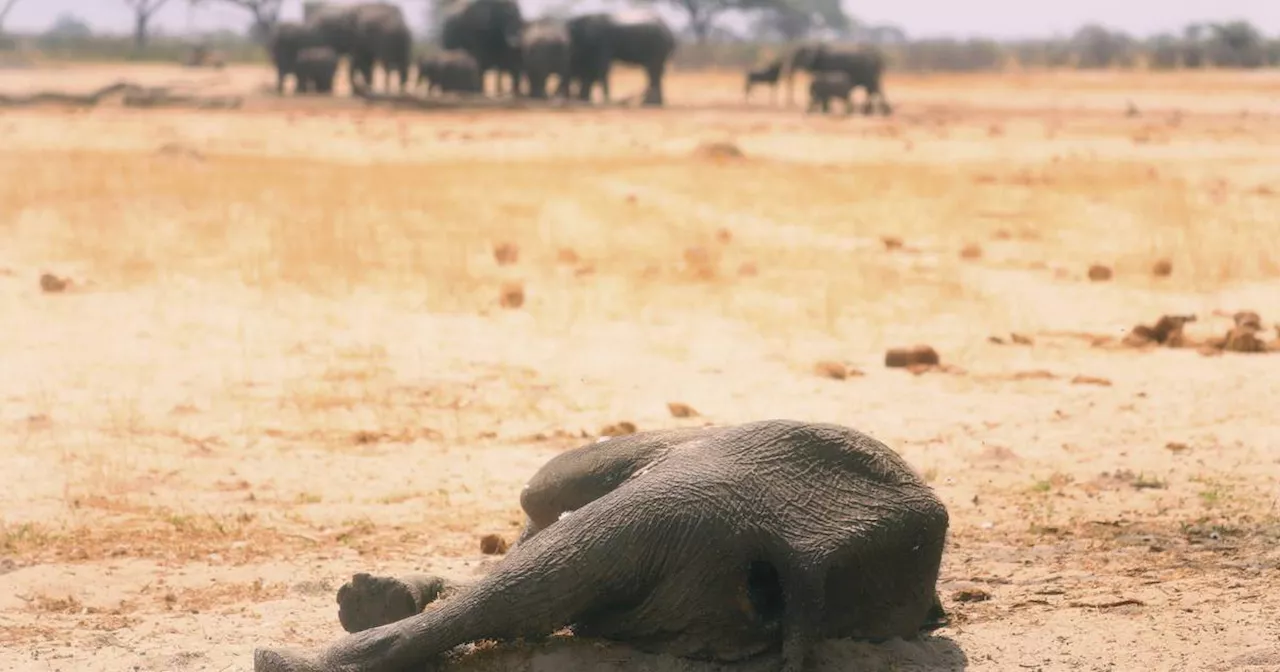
(265, 13)
(143, 10)
(4, 12)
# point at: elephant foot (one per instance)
(368, 601)
(283, 660)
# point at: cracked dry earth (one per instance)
(277, 352)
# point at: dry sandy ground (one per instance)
(283, 356)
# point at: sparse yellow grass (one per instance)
(285, 343)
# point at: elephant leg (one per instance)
(562, 575)
(368, 601)
(653, 95)
(281, 74)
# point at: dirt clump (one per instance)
(1167, 331)
(1014, 338)
(1091, 380)
(492, 544)
(52, 284)
(914, 356)
(506, 254)
(718, 150)
(701, 263)
(1163, 268)
(680, 410)
(836, 370)
(567, 255)
(1099, 273)
(891, 242)
(1246, 336)
(748, 269)
(971, 251)
(511, 295)
(622, 428)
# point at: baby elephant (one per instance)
(765, 74)
(450, 71)
(315, 69)
(827, 85)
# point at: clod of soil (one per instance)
(53, 284)
(971, 595)
(1167, 331)
(1099, 273)
(622, 428)
(718, 150)
(1091, 380)
(891, 242)
(506, 253)
(1176, 447)
(833, 370)
(679, 410)
(971, 251)
(511, 295)
(1162, 268)
(1244, 339)
(918, 355)
(492, 544)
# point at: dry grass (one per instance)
(285, 353)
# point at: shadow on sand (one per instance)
(926, 654)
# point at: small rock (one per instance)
(919, 355)
(1163, 268)
(622, 428)
(506, 254)
(1099, 273)
(511, 295)
(971, 251)
(679, 410)
(492, 544)
(53, 284)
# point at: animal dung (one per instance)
(506, 253)
(1099, 273)
(918, 355)
(52, 284)
(891, 242)
(492, 544)
(1163, 268)
(511, 295)
(622, 428)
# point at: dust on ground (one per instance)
(280, 346)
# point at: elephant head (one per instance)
(805, 57)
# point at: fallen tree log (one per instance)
(131, 95)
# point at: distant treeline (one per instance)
(1231, 45)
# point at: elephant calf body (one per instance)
(714, 543)
(765, 74)
(315, 70)
(828, 85)
(453, 71)
(545, 52)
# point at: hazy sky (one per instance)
(997, 18)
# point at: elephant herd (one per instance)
(477, 36)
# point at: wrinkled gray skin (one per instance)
(864, 65)
(829, 85)
(315, 69)
(286, 40)
(367, 33)
(450, 72)
(714, 543)
(489, 30)
(545, 52)
(635, 37)
(765, 74)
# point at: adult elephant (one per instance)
(286, 41)
(864, 65)
(367, 33)
(315, 70)
(635, 37)
(490, 31)
(545, 52)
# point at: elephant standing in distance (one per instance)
(286, 41)
(450, 71)
(715, 543)
(315, 70)
(636, 37)
(545, 52)
(490, 31)
(864, 65)
(765, 74)
(367, 33)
